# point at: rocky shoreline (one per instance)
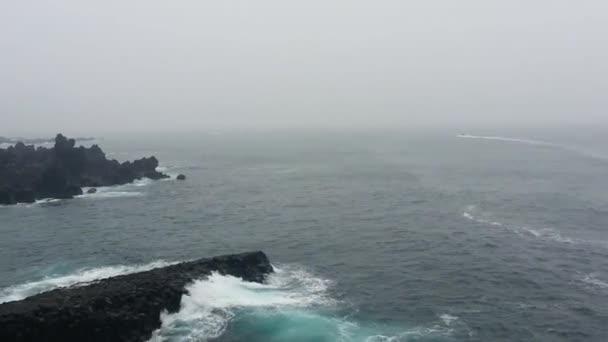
(29, 173)
(122, 308)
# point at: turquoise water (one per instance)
(378, 236)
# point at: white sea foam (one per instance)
(526, 231)
(114, 191)
(169, 171)
(470, 216)
(111, 194)
(448, 319)
(593, 280)
(210, 303)
(78, 278)
(48, 200)
(546, 233)
(30, 205)
(142, 182)
(290, 305)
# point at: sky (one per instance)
(157, 65)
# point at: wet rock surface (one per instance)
(122, 308)
(28, 173)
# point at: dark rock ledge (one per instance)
(122, 308)
(28, 173)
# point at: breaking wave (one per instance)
(211, 304)
(169, 171)
(114, 191)
(111, 194)
(125, 190)
(80, 277)
(293, 305)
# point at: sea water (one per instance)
(493, 235)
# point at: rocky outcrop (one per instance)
(181, 177)
(123, 308)
(6, 140)
(28, 173)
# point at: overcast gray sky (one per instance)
(95, 66)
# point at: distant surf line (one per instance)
(570, 149)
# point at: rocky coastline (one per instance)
(123, 308)
(29, 173)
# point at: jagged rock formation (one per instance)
(28, 173)
(123, 308)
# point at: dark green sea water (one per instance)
(378, 236)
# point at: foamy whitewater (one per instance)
(79, 278)
(214, 303)
(388, 236)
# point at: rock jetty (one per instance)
(125, 308)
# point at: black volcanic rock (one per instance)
(181, 177)
(25, 196)
(92, 191)
(28, 173)
(124, 308)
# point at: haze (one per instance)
(156, 65)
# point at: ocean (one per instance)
(413, 235)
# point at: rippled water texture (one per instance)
(398, 236)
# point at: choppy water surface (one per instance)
(400, 236)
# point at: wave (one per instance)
(526, 231)
(293, 305)
(114, 191)
(169, 171)
(448, 319)
(78, 278)
(211, 303)
(110, 194)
